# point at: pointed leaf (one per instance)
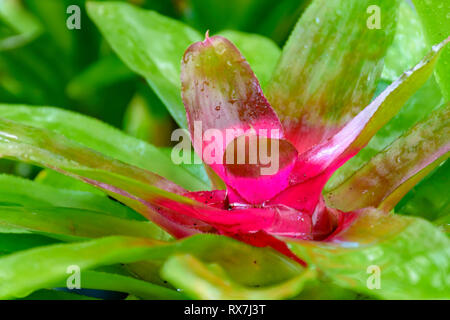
(393, 172)
(408, 47)
(314, 167)
(19, 191)
(328, 69)
(418, 107)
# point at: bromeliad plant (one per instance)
(292, 238)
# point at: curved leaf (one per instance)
(393, 172)
(19, 191)
(210, 282)
(412, 255)
(106, 139)
(25, 24)
(18, 271)
(138, 188)
(314, 168)
(418, 107)
(12, 242)
(71, 224)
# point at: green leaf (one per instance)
(329, 68)
(23, 192)
(30, 270)
(419, 106)
(72, 224)
(137, 188)
(108, 140)
(25, 271)
(412, 254)
(409, 44)
(427, 200)
(150, 44)
(251, 47)
(59, 181)
(435, 17)
(119, 283)
(138, 121)
(11, 242)
(54, 24)
(201, 281)
(387, 177)
(360, 130)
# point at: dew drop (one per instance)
(217, 108)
